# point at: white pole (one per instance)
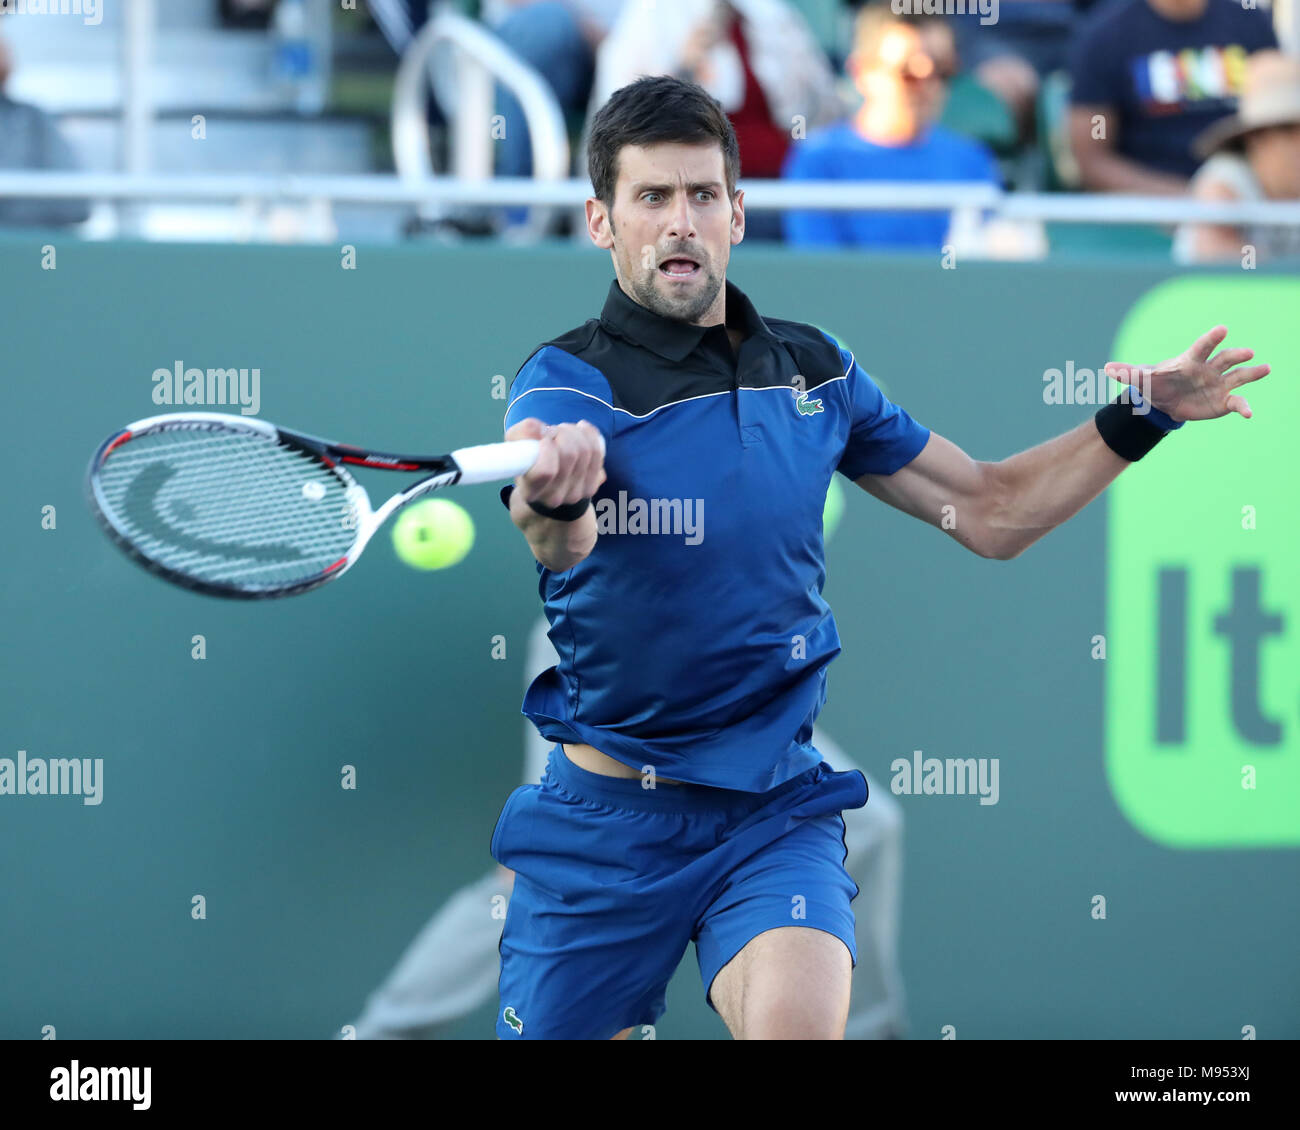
(137, 100)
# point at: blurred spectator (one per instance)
(1029, 40)
(398, 20)
(246, 14)
(758, 58)
(1253, 155)
(29, 139)
(1147, 77)
(559, 39)
(902, 65)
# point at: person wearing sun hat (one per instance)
(1253, 155)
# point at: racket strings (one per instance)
(228, 507)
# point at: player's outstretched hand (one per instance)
(1194, 385)
(570, 461)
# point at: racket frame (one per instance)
(485, 463)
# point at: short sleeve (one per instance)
(882, 437)
(557, 388)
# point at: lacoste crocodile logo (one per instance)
(805, 406)
(513, 1021)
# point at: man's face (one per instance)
(671, 229)
(910, 66)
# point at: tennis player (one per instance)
(675, 516)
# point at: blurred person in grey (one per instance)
(29, 140)
(452, 966)
(1253, 155)
(559, 39)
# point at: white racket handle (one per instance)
(492, 462)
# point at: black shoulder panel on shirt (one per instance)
(815, 356)
(574, 341)
(641, 380)
(577, 340)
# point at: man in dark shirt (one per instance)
(1148, 76)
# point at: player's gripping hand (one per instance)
(570, 462)
(570, 467)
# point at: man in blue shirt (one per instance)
(674, 511)
(902, 65)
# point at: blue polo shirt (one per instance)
(694, 637)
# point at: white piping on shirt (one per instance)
(686, 400)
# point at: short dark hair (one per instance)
(651, 111)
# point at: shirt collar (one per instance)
(669, 337)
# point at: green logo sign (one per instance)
(1202, 661)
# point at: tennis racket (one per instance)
(237, 507)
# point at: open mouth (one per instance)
(679, 267)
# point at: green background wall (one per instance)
(222, 775)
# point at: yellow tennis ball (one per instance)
(433, 534)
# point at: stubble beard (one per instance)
(640, 285)
(684, 308)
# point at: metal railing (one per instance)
(760, 195)
(465, 91)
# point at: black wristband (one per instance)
(570, 512)
(1126, 433)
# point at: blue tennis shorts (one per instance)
(612, 880)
